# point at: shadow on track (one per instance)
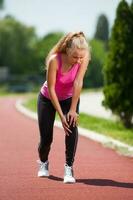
(105, 182)
(97, 182)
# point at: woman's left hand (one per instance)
(72, 118)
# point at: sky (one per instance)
(62, 15)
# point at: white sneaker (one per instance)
(68, 175)
(43, 169)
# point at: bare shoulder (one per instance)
(53, 62)
(52, 69)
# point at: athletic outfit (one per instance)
(46, 113)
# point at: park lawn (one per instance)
(100, 125)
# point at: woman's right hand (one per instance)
(65, 125)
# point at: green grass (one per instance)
(3, 90)
(92, 90)
(103, 126)
(107, 127)
(31, 103)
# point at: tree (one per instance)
(44, 45)
(118, 71)
(102, 29)
(131, 8)
(17, 43)
(1, 4)
(94, 76)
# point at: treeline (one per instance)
(24, 53)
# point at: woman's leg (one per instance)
(72, 139)
(71, 145)
(46, 117)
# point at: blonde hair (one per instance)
(69, 41)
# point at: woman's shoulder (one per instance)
(53, 57)
(53, 60)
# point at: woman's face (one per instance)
(76, 56)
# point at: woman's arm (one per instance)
(51, 79)
(78, 83)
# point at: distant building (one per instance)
(4, 73)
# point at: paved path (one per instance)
(100, 172)
(91, 103)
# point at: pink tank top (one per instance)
(64, 81)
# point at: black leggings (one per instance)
(46, 117)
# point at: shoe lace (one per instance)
(68, 171)
(43, 165)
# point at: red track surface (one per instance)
(101, 173)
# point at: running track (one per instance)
(101, 173)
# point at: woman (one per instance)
(66, 66)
